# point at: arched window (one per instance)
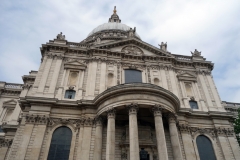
(60, 144)
(70, 94)
(193, 104)
(205, 148)
(132, 76)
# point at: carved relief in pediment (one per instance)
(132, 50)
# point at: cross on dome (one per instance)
(115, 17)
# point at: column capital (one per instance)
(132, 108)
(98, 121)
(111, 113)
(171, 118)
(157, 110)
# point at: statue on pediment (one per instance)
(163, 46)
(61, 36)
(196, 53)
(131, 32)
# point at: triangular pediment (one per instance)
(136, 44)
(75, 65)
(187, 76)
(11, 102)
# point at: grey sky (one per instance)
(211, 26)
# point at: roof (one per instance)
(111, 26)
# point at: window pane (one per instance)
(60, 144)
(70, 94)
(205, 148)
(193, 104)
(133, 76)
(1, 129)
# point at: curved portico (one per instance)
(134, 103)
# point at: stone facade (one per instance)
(110, 119)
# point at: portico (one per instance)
(158, 116)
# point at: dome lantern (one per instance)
(114, 17)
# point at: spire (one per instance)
(114, 18)
(114, 11)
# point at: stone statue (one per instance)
(163, 46)
(196, 53)
(61, 36)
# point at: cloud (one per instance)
(212, 27)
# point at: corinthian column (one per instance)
(133, 132)
(160, 135)
(177, 154)
(98, 140)
(110, 149)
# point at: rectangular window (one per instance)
(193, 104)
(132, 76)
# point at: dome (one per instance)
(112, 26)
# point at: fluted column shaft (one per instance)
(110, 149)
(177, 154)
(98, 140)
(133, 132)
(160, 135)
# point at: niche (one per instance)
(156, 81)
(110, 79)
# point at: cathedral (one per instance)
(113, 96)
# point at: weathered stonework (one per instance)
(108, 118)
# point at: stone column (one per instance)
(133, 131)
(44, 76)
(187, 142)
(41, 125)
(5, 146)
(80, 139)
(230, 151)
(86, 141)
(177, 154)
(160, 135)
(26, 135)
(97, 155)
(55, 75)
(110, 148)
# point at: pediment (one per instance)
(134, 44)
(187, 76)
(75, 65)
(10, 103)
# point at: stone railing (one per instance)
(184, 58)
(71, 44)
(13, 86)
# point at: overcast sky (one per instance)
(211, 26)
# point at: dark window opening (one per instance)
(144, 154)
(132, 76)
(193, 104)
(115, 20)
(70, 94)
(60, 144)
(1, 131)
(205, 148)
